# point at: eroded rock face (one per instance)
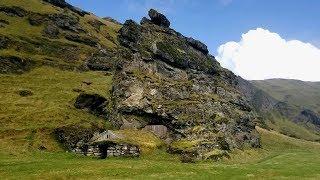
(158, 18)
(198, 45)
(308, 116)
(101, 62)
(171, 80)
(130, 34)
(13, 11)
(66, 22)
(159, 130)
(12, 64)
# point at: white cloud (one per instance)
(261, 54)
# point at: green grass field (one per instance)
(281, 157)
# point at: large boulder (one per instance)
(198, 45)
(66, 22)
(130, 33)
(158, 18)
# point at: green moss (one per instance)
(184, 145)
(173, 52)
(147, 141)
(215, 154)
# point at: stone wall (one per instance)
(123, 150)
(109, 149)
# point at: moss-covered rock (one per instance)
(170, 80)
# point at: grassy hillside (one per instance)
(51, 102)
(30, 120)
(285, 126)
(282, 157)
(41, 99)
(305, 94)
(30, 42)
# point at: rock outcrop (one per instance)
(158, 18)
(13, 11)
(308, 116)
(198, 45)
(170, 80)
(13, 64)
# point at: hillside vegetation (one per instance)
(143, 75)
(305, 94)
(281, 158)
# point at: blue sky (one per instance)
(217, 22)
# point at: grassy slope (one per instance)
(51, 104)
(40, 49)
(27, 122)
(299, 93)
(289, 128)
(281, 157)
(306, 94)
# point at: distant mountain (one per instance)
(295, 92)
(297, 111)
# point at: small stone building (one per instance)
(108, 144)
(110, 149)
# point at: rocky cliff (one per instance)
(159, 77)
(167, 79)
